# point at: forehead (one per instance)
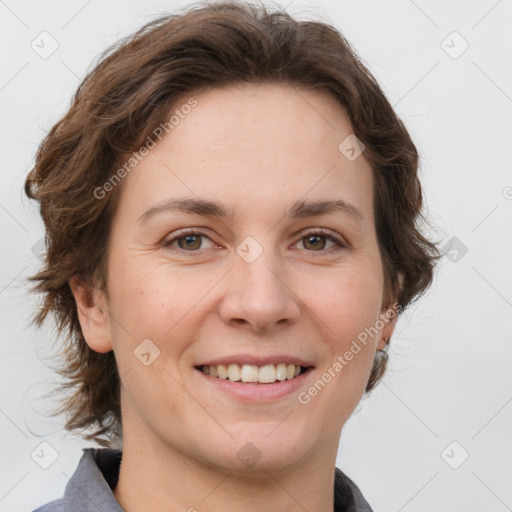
(247, 115)
(254, 144)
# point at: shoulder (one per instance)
(52, 506)
(91, 484)
(347, 495)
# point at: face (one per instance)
(268, 282)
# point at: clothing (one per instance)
(90, 487)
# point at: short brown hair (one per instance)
(132, 90)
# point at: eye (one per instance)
(314, 239)
(190, 241)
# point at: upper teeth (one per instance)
(251, 373)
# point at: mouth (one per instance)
(256, 384)
(250, 373)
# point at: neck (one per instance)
(156, 477)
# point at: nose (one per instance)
(258, 295)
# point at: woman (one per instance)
(231, 207)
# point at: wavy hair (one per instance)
(130, 91)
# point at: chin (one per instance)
(261, 450)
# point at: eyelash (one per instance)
(340, 244)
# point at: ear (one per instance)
(92, 314)
(389, 317)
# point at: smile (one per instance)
(266, 374)
(242, 381)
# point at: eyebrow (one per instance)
(300, 209)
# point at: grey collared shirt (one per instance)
(90, 487)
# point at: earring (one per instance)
(381, 354)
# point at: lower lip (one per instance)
(255, 392)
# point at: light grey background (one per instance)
(449, 378)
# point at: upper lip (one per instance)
(256, 360)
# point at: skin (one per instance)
(257, 149)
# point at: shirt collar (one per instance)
(90, 487)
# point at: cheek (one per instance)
(150, 298)
(350, 302)
(159, 302)
(150, 302)
(348, 309)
